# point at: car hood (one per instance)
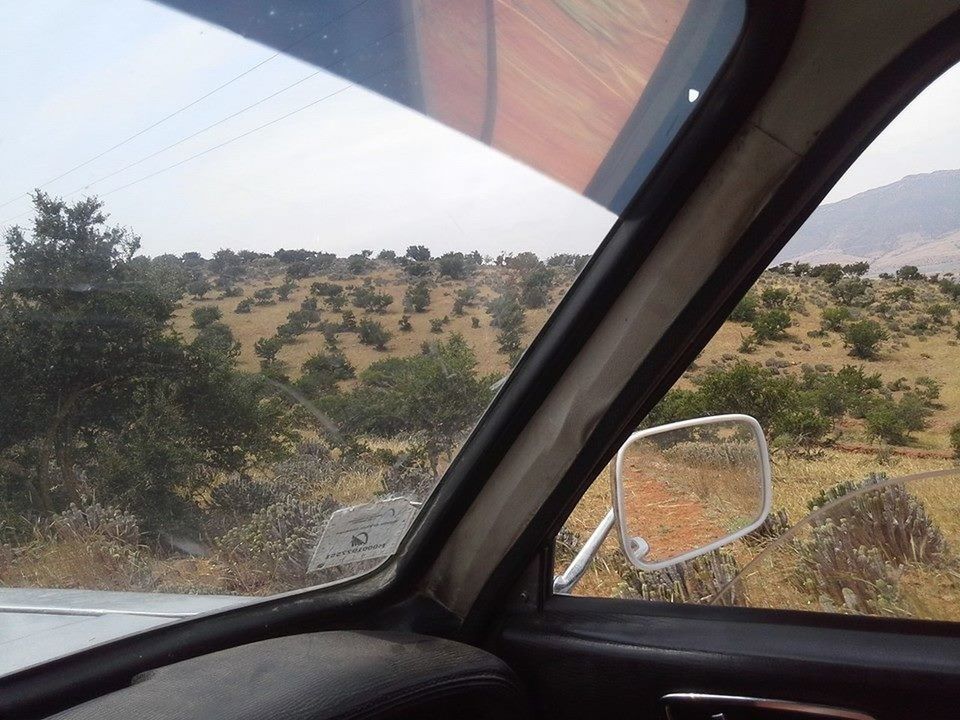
(37, 625)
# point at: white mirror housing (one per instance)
(635, 546)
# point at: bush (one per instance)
(273, 548)
(864, 337)
(199, 288)
(770, 325)
(454, 265)
(746, 310)
(264, 296)
(336, 303)
(418, 253)
(777, 298)
(436, 325)
(205, 315)
(404, 323)
(322, 371)
(695, 581)
(244, 306)
(535, 286)
(955, 439)
(267, 348)
(374, 333)
(851, 291)
(284, 290)
(366, 297)
(416, 298)
(325, 289)
(909, 272)
(466, 297)
(835, 318)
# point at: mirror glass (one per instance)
(687, 487)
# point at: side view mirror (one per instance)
(684, 489)
(681, 490)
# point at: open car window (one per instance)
(263, 272)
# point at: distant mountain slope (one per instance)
(915, 221)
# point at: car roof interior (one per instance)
(806, 88)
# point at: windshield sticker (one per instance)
(362, 532)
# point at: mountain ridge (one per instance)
(913, 221)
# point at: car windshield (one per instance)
(265, 265)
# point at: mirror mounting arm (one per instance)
(564, 583)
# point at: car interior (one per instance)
(463, 620)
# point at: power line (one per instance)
(238, 112)
(192, 103)
(247, 133)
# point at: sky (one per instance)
(346, 170)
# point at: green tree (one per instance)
(746, 309)
(374, 333)
(453, 265)
(770, 325)
(321, 372)
(909, 272)
(418, 253)
(416, 298)
(119, 399)
(535, 286)
(205, 315)
(199, 287)
(835, 318)
(435, 396)
(863, 338)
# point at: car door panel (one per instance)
(585, 657)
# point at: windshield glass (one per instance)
(264, 265)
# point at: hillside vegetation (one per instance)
(194, 421)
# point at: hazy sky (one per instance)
(351, 172)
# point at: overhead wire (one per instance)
(189, 105)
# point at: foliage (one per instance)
(436, 325)
(366, 297)
(909, 272)
(454, 265)
(416, 298)
(264, 296)
(835, 318)
(864, 337)
(465, 297)
(955, 439)
(418, 253)
(535, 286)
(374, 333)
(695, 581)
(746, 310)
(770, 324)
(404, 323)
(435, 397)
(325, 289)
(205, 315)
(321, 372)
(199, 287)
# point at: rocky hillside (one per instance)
(915, 221)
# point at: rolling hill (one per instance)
(915, 221)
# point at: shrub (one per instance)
(284, 290)
(851, 291)
(829, 272)
(955, 439)
(416, 298)
(436, 325)
(939, 313)
(746, 309)
(453, 265)
(199, 288)
(85, 521)
(404, 323)
(418, 253)
(325, 289)
(205, 315)
(474, 322)
(336, 303)
(217, 338)
(374, 333)
(388, 255)
(273, 548)
(367, 298)
(264, 296)
(418, 269)
(244, 306)
(770, 325)
(535, 286)
(776, 297)
(267, 348)
(835, 318)
(348, 321)
(909, 272)
(322, 371)
(695, 581)
(863, 338)
(465, 297)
